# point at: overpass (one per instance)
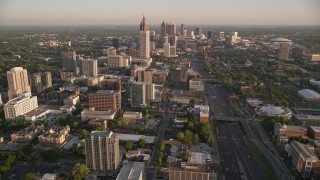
(228, 118)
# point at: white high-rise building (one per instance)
(89, 67)
(166, 48)
(17, 107)
(18, 82)
(144, 39)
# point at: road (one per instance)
(151, 171)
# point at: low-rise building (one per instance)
(135, 137)
(55, 135)
(303, 158)
(17, 107)
(27, 134)
(195, 85)
(283, 132)
(306, 120)
(314, 57)
(132, 115)
(88, 114)
(72, 100)
(104, 100)
(309, 95)
(190, 171)
(132, 170)
(202, 111)
(314, 132)
(98, 122)
(41, 112)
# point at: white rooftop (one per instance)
(309, 94)
(131, 171)
(135, 137)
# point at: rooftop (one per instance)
(315, 128)
(101, 133)
(135, 137)
(199, 157)
(303, 150)
(306, 117)
(19, 99)
(309, 94)
(131, 170)
(93, 112)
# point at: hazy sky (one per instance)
(112, 12)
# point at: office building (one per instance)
(197, 31)
(163, 30)
(182, 29)
(173, 29)
(17, 107)
(118, 61)
(104, 100)
(314, 132)
(306, 120)
(210, 34)
(283, 53)
(179, 75)
(111, 84)
(144, 39)
(69, 62)
(303, 158)
(138, 94)
(89, 67)
(116, 43)
(102, 152)
(283, 132)
(132, 171)
(18, 82)
(55, 135)
(221, 35)
(145, 76)
(40, 82)
(297, 52)
(150, 92)
(27, 134)
(166, 48)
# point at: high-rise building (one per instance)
(166, 48)
(102, 152)
(221, 36)
(15, 108)
(144, 39)
(104, 100)
(297, 52)
(117, 61)
(18, 82)
(182, 29)
(173, 29)
(138, 94)
(115, 43)
(1, 103)
(145, 76)
(69, 62)
(210, 34)
(163, 29)
(197, 31)
(40, 82)
(89, 67)
(283, 51)
(150, 92)
(111, 84)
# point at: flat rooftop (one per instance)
(131, 170)
(41, 109)
(315, 128)
(135, 137)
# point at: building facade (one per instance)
(89, 67)
(144, 39)
(137, 94)
(104, 100)
(102, 152)
(40, 82)
(16, 108)
(111, 84)
(18, 82)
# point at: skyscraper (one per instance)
(144, 39)
(210, 34)
(102, 152)
(173, 29)
(137, 94)
(182, 29)
(197, 31)
(69, 62)
(40, 82)
(18, 82)
(283, 51)
(149, 92)
(145, 76)
(163, 29)
(89, 67)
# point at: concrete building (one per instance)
(297, 52)
(202, 111)
(102, 152)
(196, 86)
(118, 61)
(88, 114)
(159, 77)
(150, 92)
(303, 158)
(18, 82)
(314, 58)
(179, 75)
(145, 76)
(283, 53)
(89, 67)
(144, 39)
(55, 135)
(309, 95)
(132, 171)
(197, 31)
(69, 62)
(283, 132)
(104, 100)
(111, 84)
(17, 107)
(72, 100)
(132, 115)
(138, 94)
(314, 132)
(98, 122)
(40, 82)
(27, 134)
(221, 36)
(306, 120)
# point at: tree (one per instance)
(79, 171)
(129, 145)
(185, 156)
(162, 146)
(180, 136)
(30, 176)
(100, 128)
(159, 161)
(142, 142)
(196, 138)
(51, 155)
(192, 101)
(188, 135)
(83, 133)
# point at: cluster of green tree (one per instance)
(79, 172)
(67, 120)
(12, 126)
(51, 156)
(162, 148)
(184, 156)
(7, 165)
(78, 151)
(188, 137)
(268, 123)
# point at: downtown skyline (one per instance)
(35, 12)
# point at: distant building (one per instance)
(132, 115)
(132, 170)
(283, 132)
(221, 35)
(283, 53)
(18, 82)
(297, 52)
(55, 135)
(104, 100)
(102, 152)
(145, 76)
(69, 62)
(144, 39)
(111, 84)
(150, 92)
(303, 158)
(40, 82)
(89, 67)
(16, 108)
(138, 94)
(27, 134)
(88, 114)
(210, 34)
(197, 31)
(314, 58)
(159, 77)
(179, 75)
